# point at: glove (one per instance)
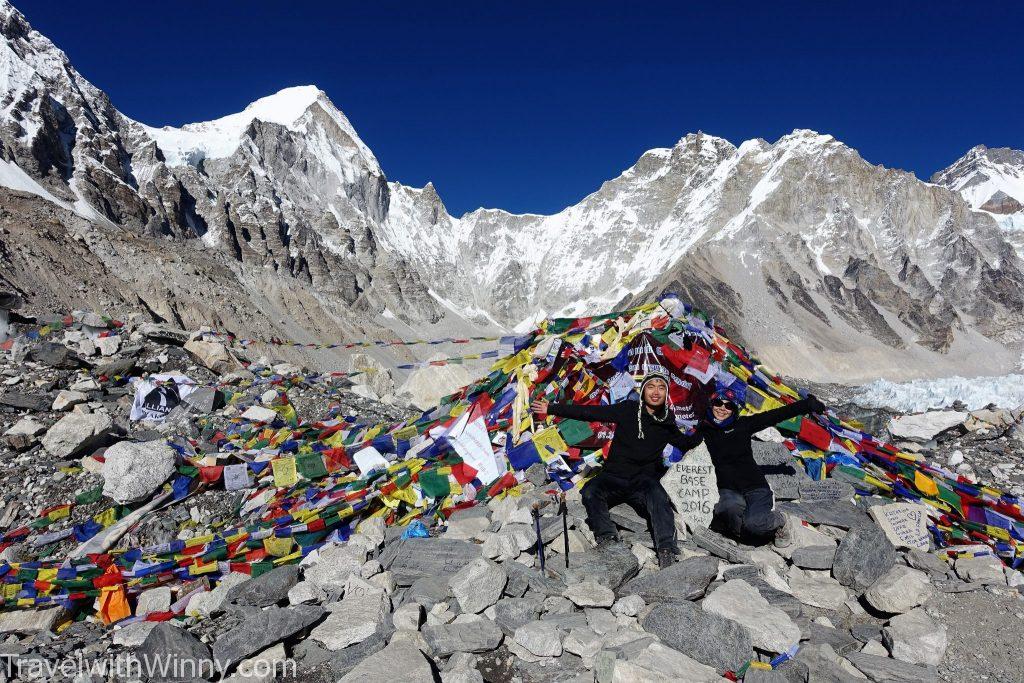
(814, 404)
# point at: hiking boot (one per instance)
(606, 541)
(786, 534)
(666, 558)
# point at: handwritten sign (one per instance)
(906, 524)
(825, 491)
(236, 477)
(693, 488)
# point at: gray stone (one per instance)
(840, 640)
(429, 590)
(610, 566)
(132, 471)
(770, 628)
(134, 635)
(447, 639)
(864, 555)
(522, 578)
(153, 600)
(400, 660)
(77, 433)
(899, 590)
(720, 546)
(266, 589)
(408, 617)
(824, 665)
(56, 356)
(708, 638)
(541, 638)
(211, 602)
(764, 676)
(916, 638)
(825, 491)
(511, 613)
(590, 594)
(334, 565)
(478, 585)
(261, 630)
(927, 562)
(29, 620)
(887, 670)
(68, 399)
(629, 605)
(818, 589)
(986, 570)
(866, 632)
(692, 487)
(19, 401)
(305, 592)
(174, 650)
(842, 514)
(685, 580)
(659, 663)
(413, 558)
(814, 557)
(316, 663)
(354, 619)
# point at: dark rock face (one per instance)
(708, 638)
(864, 554)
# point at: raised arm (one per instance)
(685, 442)
(770, 418)
(599, 413)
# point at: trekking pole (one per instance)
(564, 511)
(540, 543)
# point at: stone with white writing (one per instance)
(825, 491)
(906, 524)
(414, 558)
(693, 488)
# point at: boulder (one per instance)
(882, 669)
(704, 636)
(986, 569)
(415, 558)
(134, 470)
(590, 594)
(540, 638)
(906, 524)
(425, 386)
(685, 580)
(864, 555)
(176, 652)
(29, 620)
(924, 427)
(818, 589)
(628, 606)
(373, 376)
(77, 433)
(267, 589)
(66, 400)
(657, 662)
(814, 556)
(610, 566)
(259, 414)
(511, 613)
(153, 600)
(262, 629)
(211, 602)
(333, 566)
(444, 640)
(478, 585)
(915, 638)
(899, 590)
(353, 620)
(770, 628)
(693, 488)
(212, 355)
(400, 660)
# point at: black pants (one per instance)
(746, 514)
(646, 496)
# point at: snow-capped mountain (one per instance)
(991, 180)
(831, 267)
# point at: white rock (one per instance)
(133, 471)
(29, 620)
(108, 346)
(770, 628)
(541, 638)
(661, 663)
(584, 643)
(259, 414)
(984, 569)
(305, 592)
(75, 433)
(67, 399)
(26, 426)
(916, 638)
(352, 620)
(925, 426)
(135, 634)
(153, 600)
(333, 567)
(873, 647)
(210, 602)
(425, 386)
(268, 397)
(899, 590)
(590, 594)
(408, 617)
(261, 667)
(629, 605)
(818, 589)
(478, 585)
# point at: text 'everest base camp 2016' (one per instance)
(266, 415)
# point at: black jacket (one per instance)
(730, 449)
(629, 456)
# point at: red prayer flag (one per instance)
(815, 435)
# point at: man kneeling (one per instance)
(633, 469)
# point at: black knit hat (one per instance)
(650, 377)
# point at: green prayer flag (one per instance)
(574, 431)
(89, 496)
(311, 465)
(434, 484)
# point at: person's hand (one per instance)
(539, 407)
(815, 405)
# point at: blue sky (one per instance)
(529, 106)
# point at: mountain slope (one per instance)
(832, 267)
(991, 180)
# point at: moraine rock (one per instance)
(882, 669)
(628, 606)
(511, 613)
(77, 433)
(444, 640)
(30, 620)
(659, 663)
(899, 590)
(770, 628)
(267, 589)
(924, 427)
(261, 630)
(408, 617)
(540, 638)
(153, 600)
(334, 565)
(176, 650)
(610, 566)
(134, 470)
(814, 556)
(986, 569)
(685, 580)
(916, 638)
(400, 660)
(414, 558)
(590, 594)
(211, 602)
(353, 620)
(818, 589)
(478, 585)
(864, 554)
(709, 638)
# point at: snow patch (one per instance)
(1006, 391)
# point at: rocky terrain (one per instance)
(470, 602)
(836, 269)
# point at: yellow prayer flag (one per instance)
(925, 484)
(277, 547)
(106, 518)
(284, 472)
(549, 438)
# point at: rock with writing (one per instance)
(693, 488)
(906, 524)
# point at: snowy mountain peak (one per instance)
(991, 180)
(194, 142)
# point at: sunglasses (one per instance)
(721, 403)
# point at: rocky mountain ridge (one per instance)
(832, 267)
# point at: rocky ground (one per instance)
(471, 602)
